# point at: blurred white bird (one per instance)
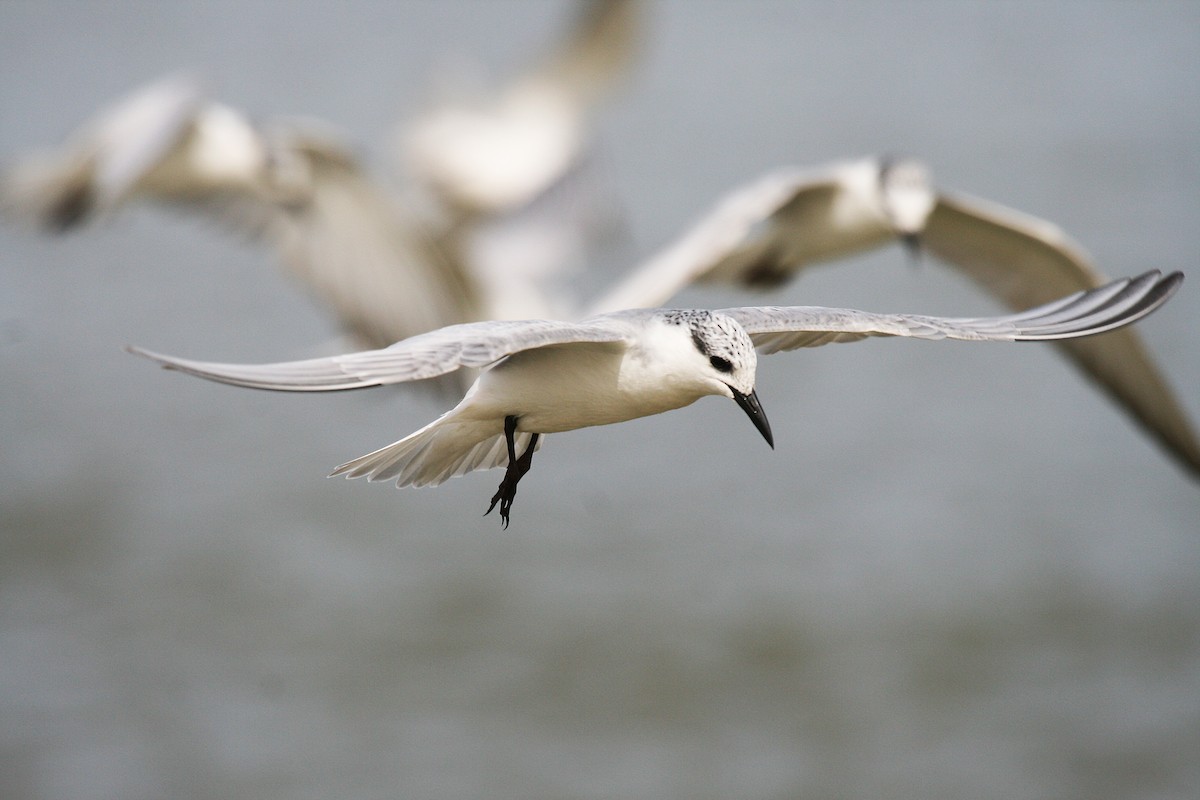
(765, 233)
(543, 376)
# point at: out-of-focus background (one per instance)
(962, 573)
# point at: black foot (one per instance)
(517, 467)
(505, 496)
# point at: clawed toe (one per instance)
(517, 467)
(504, 496)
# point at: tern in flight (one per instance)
(546, 376)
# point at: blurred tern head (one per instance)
(543, 376)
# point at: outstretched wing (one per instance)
(474, 344)
(776, 328)
(723, 245)
(1025, 261)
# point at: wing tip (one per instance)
(1128, 300)
(160, 359)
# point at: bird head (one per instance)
(728, 363)
(908, 198)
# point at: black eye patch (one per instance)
(720, 364)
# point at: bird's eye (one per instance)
(720, 364)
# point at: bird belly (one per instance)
(560, 389)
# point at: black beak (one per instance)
(912, 243)
(749, 403)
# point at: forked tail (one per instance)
(443, 449)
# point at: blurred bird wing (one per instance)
(429, 355)
(104, 159)
(358, 250)
(597, 52)
(134, 136)
(1024, 261)
(1018, 258)
(499, 151)
(734, 241)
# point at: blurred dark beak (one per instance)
(750, 404)
(912, 243)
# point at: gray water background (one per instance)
(961, 574)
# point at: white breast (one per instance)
(562, 388)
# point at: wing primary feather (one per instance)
(1106, 300)
(774, 328)
(1142, 296)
